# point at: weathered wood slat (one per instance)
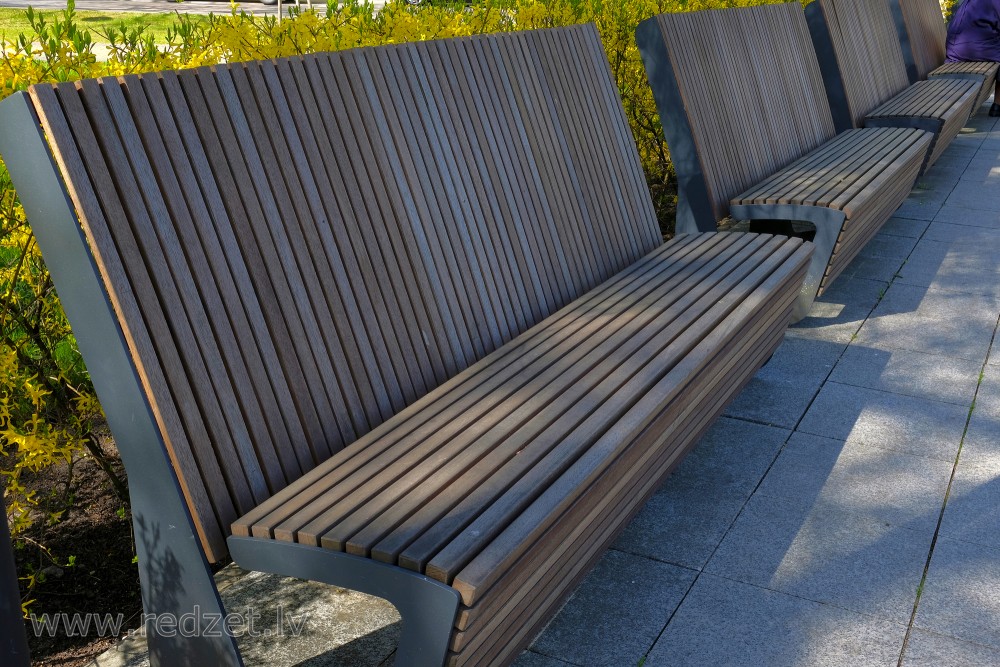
(866, 73)
(466, 392)
(532, 590)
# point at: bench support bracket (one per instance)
(428, 607)
(828, 223)
(175, 576)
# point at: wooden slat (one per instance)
(500, 390)
(474, 560)
(431, 412)
(570, 549)
(288, 288)
(753, 92)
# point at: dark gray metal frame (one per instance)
(904, 41)
(695, 212)
(13, 640)
(833, 80)
(694, 205)
(173, 571)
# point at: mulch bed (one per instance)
(103, 579)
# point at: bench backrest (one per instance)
(740, 96)
(860, 54)
(922, 34)
(298, 249)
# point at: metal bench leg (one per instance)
(176, 579)
(427, 606)
(826, 238)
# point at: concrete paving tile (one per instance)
(532, 659)
(973, 511)
(927, 649)
(686, 519)
(981, 169)
(941, 182)
(881, 258)
(931, 320)
(724, 622)
(960, 215)
(921, 205)
(962, 235)
(982, 440)
(980, 196)
(616, 614)
(822, 553)
(988, 397)
(956, 162)
(969, 268)
(340, 627)
(878, 484)
(899, 226)
(839, 313)
(961, 597)
(902, 423)
(781, 391)
(909, 373)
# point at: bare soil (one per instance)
(95, 533)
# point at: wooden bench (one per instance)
(441, 355)
(922, 34)
(746, 118)
(866, 80)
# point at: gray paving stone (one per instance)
(980, 196)
(341, 627)
(899, 226)
(961, 597)
(724, 622)
(616, 614)
(982, 440)
(988, 398)
(881, 258)
(686, 519)
(781, 391)
(931, 320)
(973, 511)
(878, 484)
(960, 215)
(826, 554)
(902, 423)
(909, 373)
(927, 649)
(532, 659)
(981, 169)
(921, 205)
(955, 267)
(839, 313)
(962, 235)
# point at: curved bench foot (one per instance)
(427, 606)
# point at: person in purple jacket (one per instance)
(974, 35)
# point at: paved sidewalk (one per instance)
(846, 511)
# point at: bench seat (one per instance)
(923, 36)
(940, 106)
(863, 174)
(509, 480)
(759, 143)
(983, 73)
(866, 78)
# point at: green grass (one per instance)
(14, 22)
